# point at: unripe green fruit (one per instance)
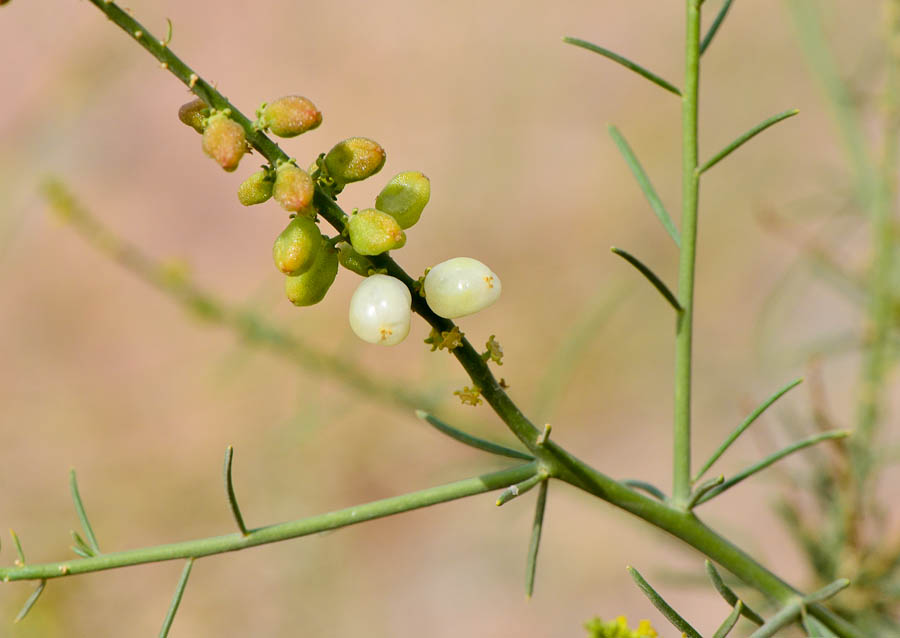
(404, 197)
(373, 232)
(380, 310)
(290, 116)
(353, 261)
(297, 247)
(294, 188)
(194, 113)
(460, 286)
(256, 189)
(310, 287)
(224, 140)
(354, 159)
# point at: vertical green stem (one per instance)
(878, 316)
(690, 195)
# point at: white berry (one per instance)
(380, 310)
(460, 286)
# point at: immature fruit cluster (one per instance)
(380, 309)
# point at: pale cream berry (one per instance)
(460, 286)
(380, 310)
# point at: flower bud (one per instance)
(354, 159)
(224, 141)
(404, 197)
(256, 189)
(310, 287)
(297, 247)
(353, 261)
(290, 116)
(459, 287)
(193, 114)
(373, 232)
(380, 310)
(294, 188)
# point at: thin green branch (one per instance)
(651, 277)
(644, 182)
(278, 532)
(82, 514)
(714, 27)
(690, 197)
(176, 599)
(728, 594)
(772, 458)
(535, 543)
(746, 423)
(471, 441)
(628, 64)
(229, 492)
(729, 623)
(32, 599)
(664, 608)
(746, 137)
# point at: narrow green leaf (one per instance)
(31, 601)
(702, 489)
(729, 623)
(80, 551)
(815, 628)
(628, 64)
(18, 544)
(746, 137)
(728, 594)
(784, 617)
(82, 514)
(746, 423)
(518, 489)
(176, 599)
(644, 182)
(714, 27)
(229, 491)
(769, 460)
(651, 489)
(534, 545)
(80, 544)
(470, 440)
(651, 277)
(664, 608)
(828, 591)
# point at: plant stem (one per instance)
(275, 533)
(681, 489)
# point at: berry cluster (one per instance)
(380, 309)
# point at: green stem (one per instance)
(275, 533)
(681, 489)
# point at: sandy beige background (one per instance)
(101, 373)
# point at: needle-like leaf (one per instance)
(31, 601)
(702, 489)
(644, 182)
(518, 489)
(664, 608)
(628, 64)
(746, 423)
(534, 545)
(714, 27)
(176, 599)
(229, 491)
(18, 545)
(651, 277)
(651, 489)
(82, 514)
(728, 594)
(828, 591)
(746, 137)
(471, 441)
(729, 623)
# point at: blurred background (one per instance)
(103, 373)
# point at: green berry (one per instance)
(256, 189)
(354, 159)
(353, 261)
(297, 247)
(224, 140)
(310, 287)
(404, 197)
(194, 114)
(294, 188)
(290, 116)
(373, 232)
